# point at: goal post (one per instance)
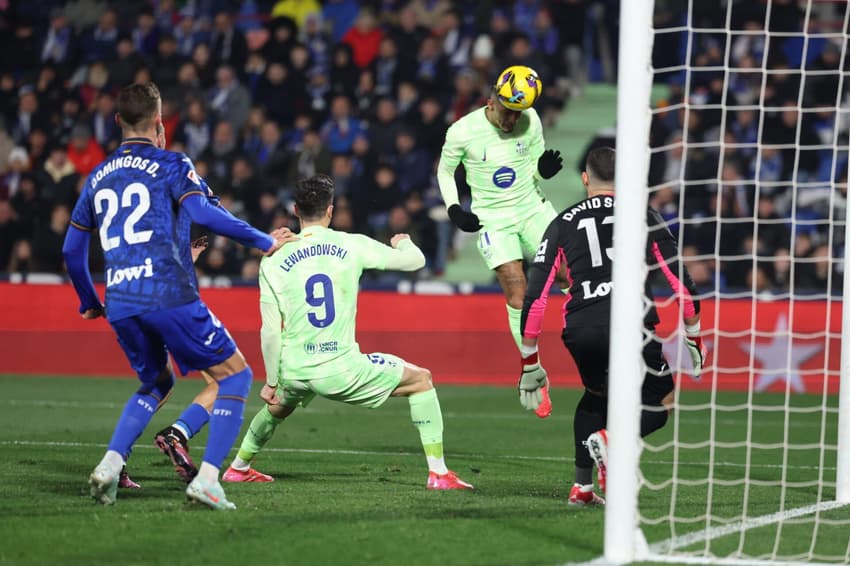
(628, 263)
(751, 170)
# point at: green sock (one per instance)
(428, 418)
(515, 321)
(259, 432)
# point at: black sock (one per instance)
(651, 420)
(591, 415)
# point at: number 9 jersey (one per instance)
(313, 283)
(132, 199)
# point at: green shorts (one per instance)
(517, 241)
(370, 380)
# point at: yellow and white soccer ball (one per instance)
(518, 87)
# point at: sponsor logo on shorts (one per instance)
(504, 177)
(322, 347)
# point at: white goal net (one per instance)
(747, 163)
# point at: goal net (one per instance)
(747, 163)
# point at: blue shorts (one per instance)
(191, 332)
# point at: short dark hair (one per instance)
(314, 195)
(138, 103)
(600, 164)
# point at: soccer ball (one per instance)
(518, 87)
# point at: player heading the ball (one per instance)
(501, 147)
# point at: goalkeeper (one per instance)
(308, 302)
(579, 241)
(502, 149)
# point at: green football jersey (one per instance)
(314, 284)
(501, 168)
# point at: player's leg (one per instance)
(417, 385)
(589, 349)
(173, 440)
(261, 430)
(148, 357)
(197, 340)
(530, 232)
(657, 390)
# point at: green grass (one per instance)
(350, 486)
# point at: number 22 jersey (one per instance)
(578, 244)
(132, 200)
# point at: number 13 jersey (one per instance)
(578, 245)
(314, 282)
(132, 200)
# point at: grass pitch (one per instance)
(350, 484)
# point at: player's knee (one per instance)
(515, 300)
(161, 388)
(237, 385)
(422, 380)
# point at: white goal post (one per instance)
(762, 442)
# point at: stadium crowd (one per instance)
(260, 94)
(754, 138)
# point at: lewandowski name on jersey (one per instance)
(313, 251)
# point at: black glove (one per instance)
(466, 221)
(550, 163)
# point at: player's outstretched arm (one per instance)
(406, 255)
(450, 158)
(270, 338)
(221, 222)
(666, 258)
(75, 249)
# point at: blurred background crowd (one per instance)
(261, 93)
(746, 172)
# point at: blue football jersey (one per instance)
(132, 200)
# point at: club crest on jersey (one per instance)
(521, 148)
(504, 177)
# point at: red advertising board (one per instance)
(460, 338)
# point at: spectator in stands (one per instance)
(222, 151)
(364, 39)
(29, 116)
(83, 150)
(412, 165)
(99, 43)
(167, 62)
(296, 10)
(344, 73)
(341, 129)
(409, 33)
(59, 44)
(228, 99)
(107, 134)
(386, 127)
(196, 132)
(123, 66)
(18, 164)
(432, 72)
(58, 178)
(146, 34)
(310, 159)
(9, 232)
(47, 242)
(227, 44)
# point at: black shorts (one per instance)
(588, 346)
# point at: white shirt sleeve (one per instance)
(450, 158)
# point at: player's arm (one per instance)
(665, 257)
(542, 273)
(404, 255)
(75, 250)
(549, 161)
(215, 218)
(450, 157)
(271, 331)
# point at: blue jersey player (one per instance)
(141, 202)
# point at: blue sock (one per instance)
(193, 419)
(226, 418)
(137, 414)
